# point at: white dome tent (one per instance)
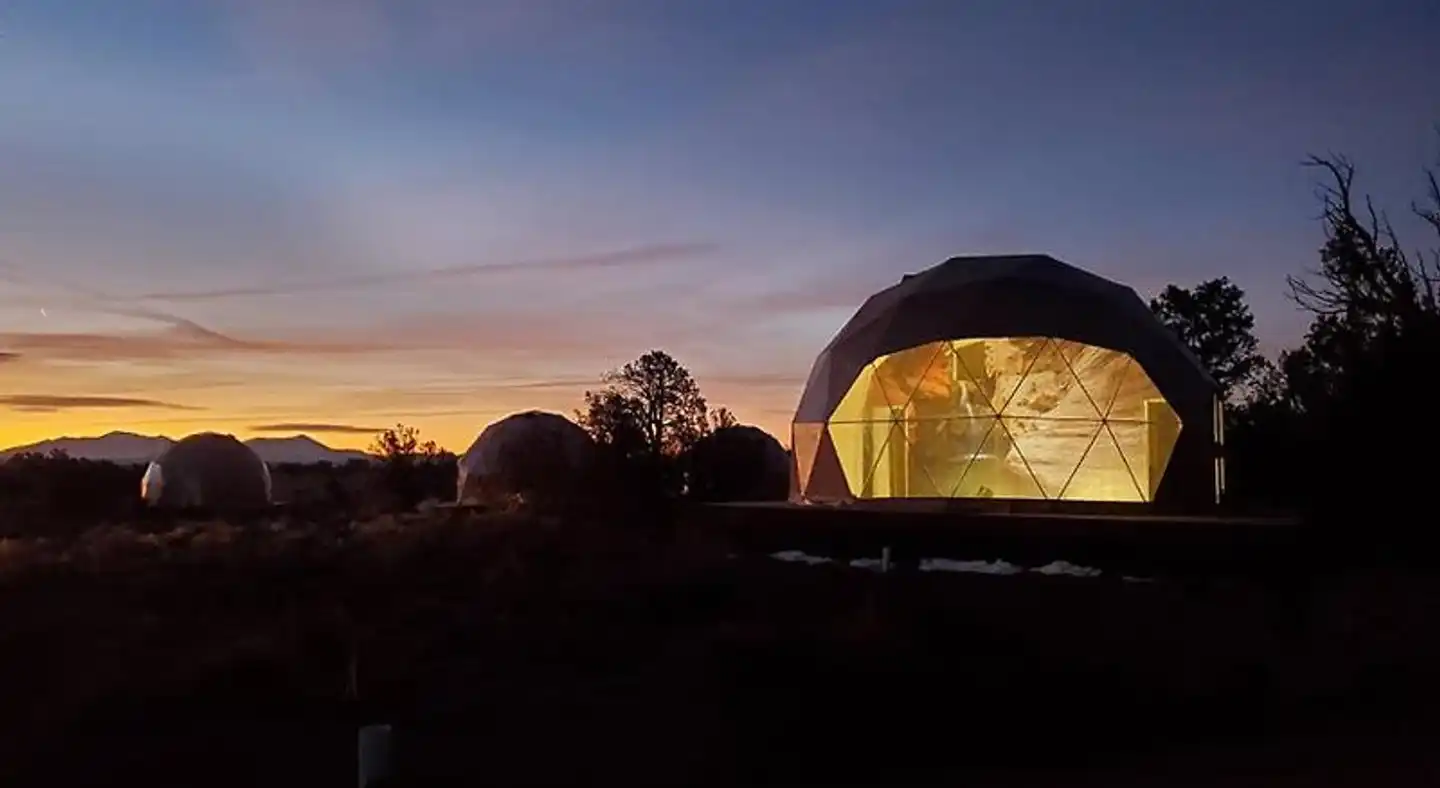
(207, 470)
(524, 455)
(1017, 377)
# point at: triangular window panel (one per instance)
(903, 373)
(974, 386)
(920, 445)
(997, 471)
(1099, 371)
(950, 464)
(946, 447)
(1103, 474)
(1103, 382)
(858, 446)
(932, 394)
(1050, 449)
(1048, 390)
(889, 476)
(1003, 365)
(804, 443)
(1147, 448)
(827, 478)
(947, 391)
(865, 401)
(1133, 391)
(1073, 352)
(1081, 361)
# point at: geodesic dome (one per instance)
(524, 454)
(210, 471)
(739, 463)
(1016, 377)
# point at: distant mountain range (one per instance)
(129, 448)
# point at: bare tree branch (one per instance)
(1364, 277)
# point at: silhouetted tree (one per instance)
(51, 494)
(1214, 321)
(409, 465)
(402, 444)
(649, 413)
(613, 419)
(653, 398)
(720, 418)
(1366, 282)
(1351, 399)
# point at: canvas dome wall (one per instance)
(210, 471)
(939, 386)
(533, 452)
(739, 463)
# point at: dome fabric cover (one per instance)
(1004, 299)
(739, 463)
(207, 470)
(524, 453)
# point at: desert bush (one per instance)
(57, 494)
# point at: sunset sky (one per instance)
(270, 216)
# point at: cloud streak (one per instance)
(53, 402)
(309, 427)
(316, 37)
(174, 343)
(654, 254)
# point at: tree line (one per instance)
(646, 418)
(1338, 427)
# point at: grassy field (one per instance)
(510, 650)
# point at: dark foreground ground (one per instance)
(523, 653)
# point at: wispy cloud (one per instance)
(593, 328)
(53, 402)
(173, 343)
(178, 337)
(638, 256)
(4, 357)
(307, 427)
(310, 37)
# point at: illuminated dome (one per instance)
(739, 463)
(524, 454)
(1017, 377)
(208, 471)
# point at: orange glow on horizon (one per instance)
(453, 432)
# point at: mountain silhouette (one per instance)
(128, 448)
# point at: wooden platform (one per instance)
(1136, 541)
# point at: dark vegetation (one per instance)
(522, 651)
(614, 642)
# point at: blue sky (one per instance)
(724, 180)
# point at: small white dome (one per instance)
(207, 470)
(523, 453)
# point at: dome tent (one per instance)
(524, 454)
(210, 471)
(739, 463)
(1017, 377)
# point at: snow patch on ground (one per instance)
(978, 567)
(795, 556)
(1067, 568)
(997, 567)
